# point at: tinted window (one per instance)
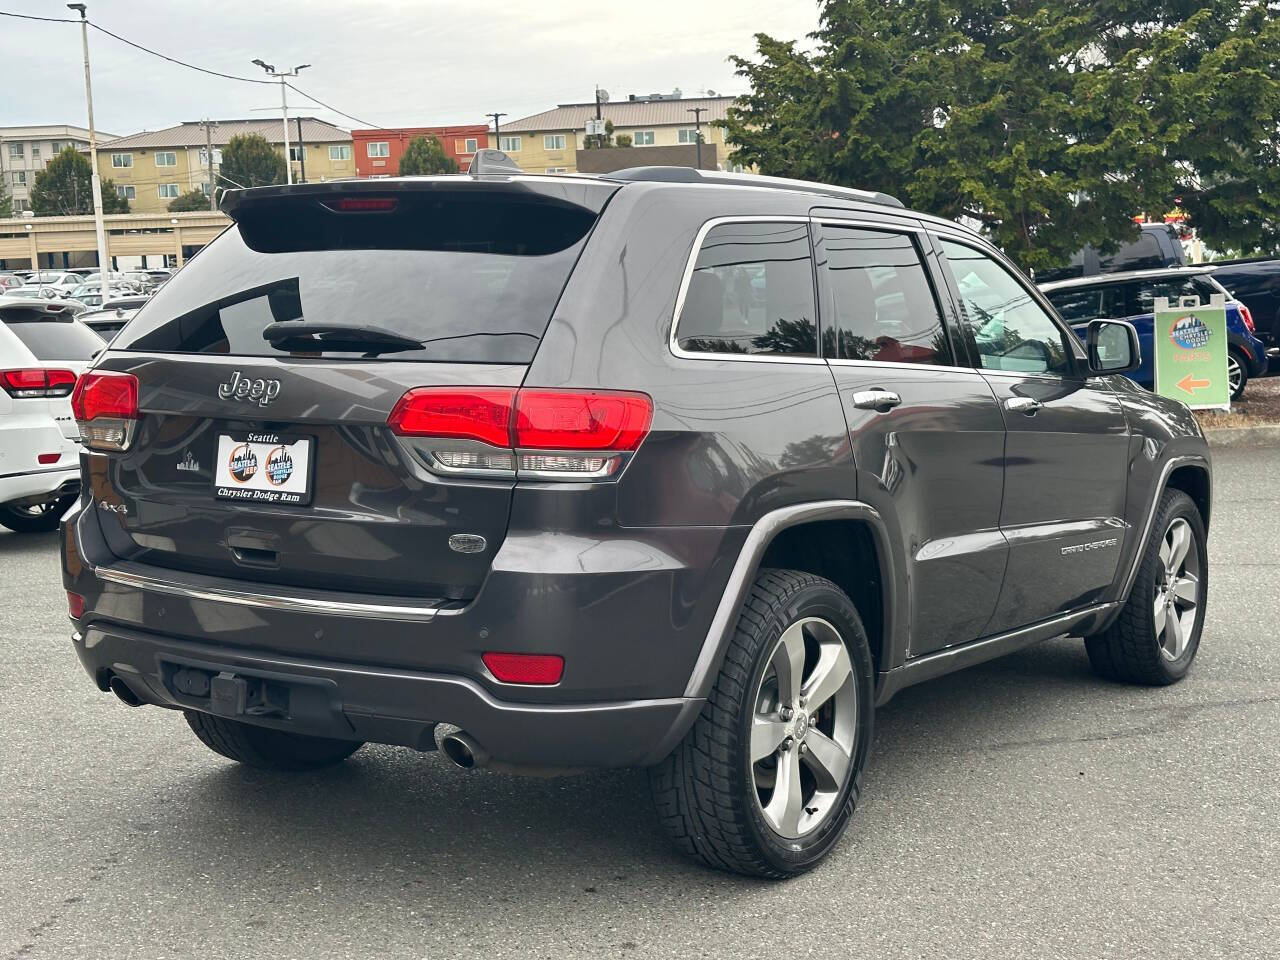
(55, 339)
(1143, 293)
(473, 279)
(1009, 330)
(1082, 304)
(884, 308)
(751, 292)
(1143, 254)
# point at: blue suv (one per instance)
(1131, 296)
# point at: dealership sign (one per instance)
(1190, 346)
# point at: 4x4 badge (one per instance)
(257, 391)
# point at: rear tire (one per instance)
(265, 748)
(799, 646)
(41, 518)
(1156, 636)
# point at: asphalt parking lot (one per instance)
(1020, 809)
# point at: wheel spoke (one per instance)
(1159, 615)
(1179, 543)
(827, 759)
(1174, 639)
(786, 806)
(1164, 552)
(829, 675)
(788, 661)
(1186, 590)
(766, 736)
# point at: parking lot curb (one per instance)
(1266, 434)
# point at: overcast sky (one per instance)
(387, 62)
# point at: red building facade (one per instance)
(378, 152)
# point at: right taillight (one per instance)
(1247, 317)
(527, 432)
(105, 406)
(31, 382)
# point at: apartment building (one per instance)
(25, 151)
(378, 152)
(153, 167)
(548, 142)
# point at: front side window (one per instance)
(379, 148)
(166, 159)
(1008, 328)
(340, 152)
(642, 138)
(119, 160)
(553, 141)
(167, 190)
(509, 144)
(884, 308)
(751, 292)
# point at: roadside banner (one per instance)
(1189, 340)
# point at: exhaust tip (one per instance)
(464, 751)
(124, 692)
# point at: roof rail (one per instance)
(690, 175)
(488, 161)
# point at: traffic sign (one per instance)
(1189, 341)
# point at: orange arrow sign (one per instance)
(1190, 385)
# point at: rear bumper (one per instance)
(380, 705)
(37, 483)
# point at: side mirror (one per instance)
(1113, 347)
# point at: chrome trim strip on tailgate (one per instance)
(205, 588)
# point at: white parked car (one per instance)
(43, 350)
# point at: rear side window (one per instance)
(1082, 304)
(471, 278)
(884, 307)
(54, 339)
(751, 292)
(1144, 292)
(1142, 254)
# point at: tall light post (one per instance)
(697, 127)
(95, 180)
(284, 107)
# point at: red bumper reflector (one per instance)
(48, 457)
(528, 668)
(75, 605)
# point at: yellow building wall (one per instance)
(188, 173)
(534, 157)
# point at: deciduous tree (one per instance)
(425, 156)
(64, 188)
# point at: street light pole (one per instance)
(95, 180)
(697, 127)
(284, 107)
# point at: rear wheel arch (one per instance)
(818, 528)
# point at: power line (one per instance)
(181, 63)
(28, 16)
(331, 109)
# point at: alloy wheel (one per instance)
(1177, 592)
(1234, 370)
(804, 728)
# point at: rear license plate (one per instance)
(263, 468)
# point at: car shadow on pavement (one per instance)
(400, 820)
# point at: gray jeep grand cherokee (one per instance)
(666, 469)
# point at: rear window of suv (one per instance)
(51, 339)
(472, 276)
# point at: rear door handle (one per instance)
(1027, 405)
(876, 399)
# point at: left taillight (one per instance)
(105, 406)
(32, 382)
(526, 432)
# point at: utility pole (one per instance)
(208, 156)
(697, 126)
(94, 179)
(284, 106)
(599, 136)
(302, 154)
(497, 129)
